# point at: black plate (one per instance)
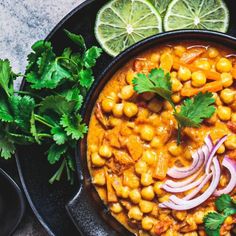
(12, 204)
(48, 201)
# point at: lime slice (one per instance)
(197, 14)
(161, 6)
(121, 23)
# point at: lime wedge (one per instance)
(161, 6)
(121, 23)
(197, 14)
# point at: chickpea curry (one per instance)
(160, 158)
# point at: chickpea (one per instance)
(145, 206)
(212, 120)
(113, 96)
(174, 149)
(130, 109)
(93, 148)
(156, 142)
(125, 192)
(147, 193)
(157, 188)
(227, 79)
(176, 98)
(127, 92)
(218, 101)
(233, 117)
(191, 234)
(179, 50)
(224, 113)
(224, 65)
(164, 198)
(141, 167)
(149, 157)
(212, 52)
(227, 95)
(116, 208)
(229, 220)
(223, 181)
(176, 85)
(155, 57)
(221, 149)
(105, 151)
(135, 213)
(118, 110)
(107, 104)
(97, 160)
(155, 105)
(147, 132)
(148, 96)
(198, 79)
(133, 181)
(114, 121)
(202, 233)
(173, 74)
(203, 64)
(130, 77)
(146, 179)
(230, 142)
(167, 106)
(99, 178)
(198, 217)
(179, 215)
(135, 196)
(147, 223)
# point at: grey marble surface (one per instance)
(22, 22)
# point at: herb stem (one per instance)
(42, 120)
(28, 93)
(42, 135)
(58, 173)
(65, 58)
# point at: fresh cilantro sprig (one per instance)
(192, 111)
(48, 110)
(213, 221)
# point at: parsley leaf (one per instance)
(5, 113)
(77, 39)
(91, 55)
(7, 147)
(213, 220)
(86, 78)
(55, 152)
(59, 135)
(73, 126)
(193, 111)
(6, 77)
(157, 82)
(223, 202)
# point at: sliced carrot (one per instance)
(211, 75)
(233, 73)
(111, 194)
(208, 87)
(161, 166)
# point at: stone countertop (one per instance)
(21, 24)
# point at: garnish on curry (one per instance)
(162, 141)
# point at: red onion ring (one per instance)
(180, 204)
(213, 151)
(231, 166)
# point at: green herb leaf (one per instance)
(213, 220)
(223, 202)
(157, 82)
(86, 78)
(193, 111)
(7, 147)
(77, 39)
(5, 113)
(6, 77)
(73, 126)
(57, 104)
(91, 55)
(55, 152)
(59, 135)
(22, 108)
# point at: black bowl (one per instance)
(87, 211)
(12, 205)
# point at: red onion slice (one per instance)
(213, 151)
(208, 141)
(231, 166)
(180, 204)
(184, 188)
(189, 180)
(183, 172)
